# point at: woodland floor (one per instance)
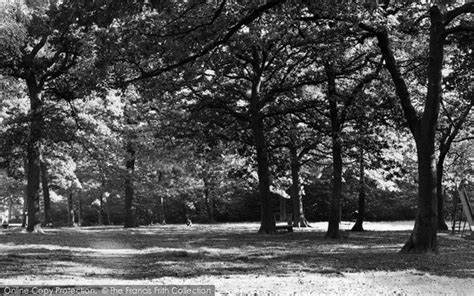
(235, 259)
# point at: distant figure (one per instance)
(189, 222)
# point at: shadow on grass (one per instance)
(175, 251)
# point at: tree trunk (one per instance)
(267, 220)
(33, 157)
(161, 211)
(129, 186)
(283, 217)
(299, 219)
(101, 201)
(46, 195)
(439, 191)
(335, 205)
(100, 212)
(10, 208)
(70, 209)
(424, 236)
(361, 210)
(208, 199)
(24, 218)
(107, 208)
(79, 210)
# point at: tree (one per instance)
(337, 117)
(39, 47)
(295, 145)
(422, 125)
(251, 80)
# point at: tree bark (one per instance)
(101, 201)
(358, 226)
(46, 195)
(100, 211)
(24, 215)
(335, 204)
(283, 217)
(208, 199)
(70, 209)
(33, 156)
(79, 210)
(267, 220)
(299, 219)
(129, 186)
(439, 191)
(161, 211)
(107, 208)
(424, 236)
(10, 208)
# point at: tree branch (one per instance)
(358, 89)
(463, 139)
(452, 14)
(38, 46)
(400, 85)
(457, 29)
(456, 128)
(208, 48)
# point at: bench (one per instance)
(288, 227)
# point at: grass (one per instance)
(221, 251)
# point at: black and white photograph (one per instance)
(236, 147)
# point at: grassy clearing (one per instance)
(222, 252)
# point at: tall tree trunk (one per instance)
(424, 236)
(70, 209)
(335, 205)
(129, 186)
(439, 191)
(208, 199)
(107, 209)
(33, 156)
(161, 211)
(361, 209)
(267, 220)
(101, 201)
(79, 210)
(299, 219)
(283, 217)
(46, 195)
(24, 215)
(161, 203)
(10, 208)
(100, 211)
